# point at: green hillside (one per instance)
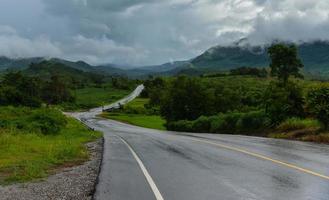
(315, 57)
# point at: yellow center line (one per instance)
(263, 157)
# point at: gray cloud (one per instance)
(152, 31)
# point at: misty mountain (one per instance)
(164, 67)
(24, 63)
(315, 57)
(19, 63)
(80, 65)
(48, 68)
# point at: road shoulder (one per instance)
(69, 183)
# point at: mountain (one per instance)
(47, 69)
(80, 65)
(24, 63)
(164, 67)
(19, 63)
(315, 57)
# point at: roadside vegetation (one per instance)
(35, 137)
(54, 84)
(92, 97)
(276, 102)
(35, 142)
(137, 113)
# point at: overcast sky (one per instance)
(144, 32)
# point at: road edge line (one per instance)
(148, 177)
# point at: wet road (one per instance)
(145, 164)
(182, 167)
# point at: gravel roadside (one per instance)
(76, 183)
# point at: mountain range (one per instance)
(315, 57)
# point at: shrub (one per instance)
(283, 101)
(254, 120)
(134, 110)
(47, 122)
(201, 125)
(44, 120)
(230, 121)
(183, 126)
(318, 104)
(216, 124)
(224, 123)
(297, 123)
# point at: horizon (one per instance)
(150, 32)
(130, 66)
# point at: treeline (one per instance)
(20, 90)
(241, 71)
(52, 84)
(207, 105)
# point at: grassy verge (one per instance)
(25, 156)
(147, 121)
(308, 130)
(302, 135)
(92, 97)
(135, 113)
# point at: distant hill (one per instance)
(315, 57)
(164, 67)
(24, 63)
(80, 65)
(20, 63)
(46, 69)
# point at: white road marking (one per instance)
(148, 177)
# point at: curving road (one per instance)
(143, 164)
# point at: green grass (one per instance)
(138, 103)
(25, 156)
(135, 113)
(147, 121)
(92, 97)
(297, 124)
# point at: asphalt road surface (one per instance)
(146, 164)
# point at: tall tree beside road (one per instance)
(285, 61)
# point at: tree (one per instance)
(318, 104)
(282, 102)
(17, 89)
(56, 91)
(284, 61)
(154, 89)
(259, 72)
(186, 99)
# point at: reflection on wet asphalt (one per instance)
(185, 169)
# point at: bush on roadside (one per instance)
(254, 120)
(44, 120)
(224, 123)
(201, 125)
(48, 122)
(283, 101)
(182, 126)
(134, 110)
(297, 124)
(318, 104)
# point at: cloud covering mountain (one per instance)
(143, 32)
